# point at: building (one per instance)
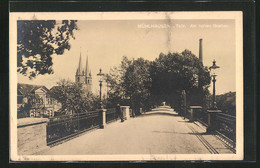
(35, 101)
(83, 76)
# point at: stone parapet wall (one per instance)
(31, 135)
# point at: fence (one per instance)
(111, 115)
(66, 126)
(227, 126)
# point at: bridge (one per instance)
(160, 131)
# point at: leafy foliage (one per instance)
(175, 72)
(38, 40)
(144, 83)
(129, 84)
(137, 81)
(227, 103)
(115, 80)
(73, 98)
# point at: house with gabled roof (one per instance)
(35, 101)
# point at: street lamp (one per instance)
(213, 74)
(212, 113)
(100, 74)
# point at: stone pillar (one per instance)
(102, 114)
(183, 111)
(141, 110)
(125, 111)
(212, 121)
(191, 115)
(194, 112)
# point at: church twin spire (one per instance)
(81, 70)
(87, 71)
(83, 75)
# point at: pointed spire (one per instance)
(87, 68)
(80, 68)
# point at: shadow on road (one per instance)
(185, 121)
(166, 113)
(189, 133)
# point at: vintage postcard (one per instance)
(126, 86)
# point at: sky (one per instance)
(107, 41)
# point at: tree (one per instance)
(38, 41)
(146, 83)
(115, 81)
(73, 98)
(136, 82)
(175, 72)
(129, 83)
(227, 103)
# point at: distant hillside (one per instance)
(227, 103)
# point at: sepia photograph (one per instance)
(126, 86)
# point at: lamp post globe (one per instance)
(213, 71)
(100, 75)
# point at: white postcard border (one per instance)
(14, 16)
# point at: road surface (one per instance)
(156, 132)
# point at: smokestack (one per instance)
(201, 60)
(200, 51)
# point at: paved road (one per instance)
(156, 132)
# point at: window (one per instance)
(19, 99)
(49, 100)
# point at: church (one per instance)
(83, 76)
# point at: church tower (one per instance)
(88, 77)
(80, 74)
(83, 76)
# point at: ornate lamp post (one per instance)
(213, 72)
(212, 113)
(100, 74)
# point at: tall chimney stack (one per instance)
(200, 52)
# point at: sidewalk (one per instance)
(156, 132)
